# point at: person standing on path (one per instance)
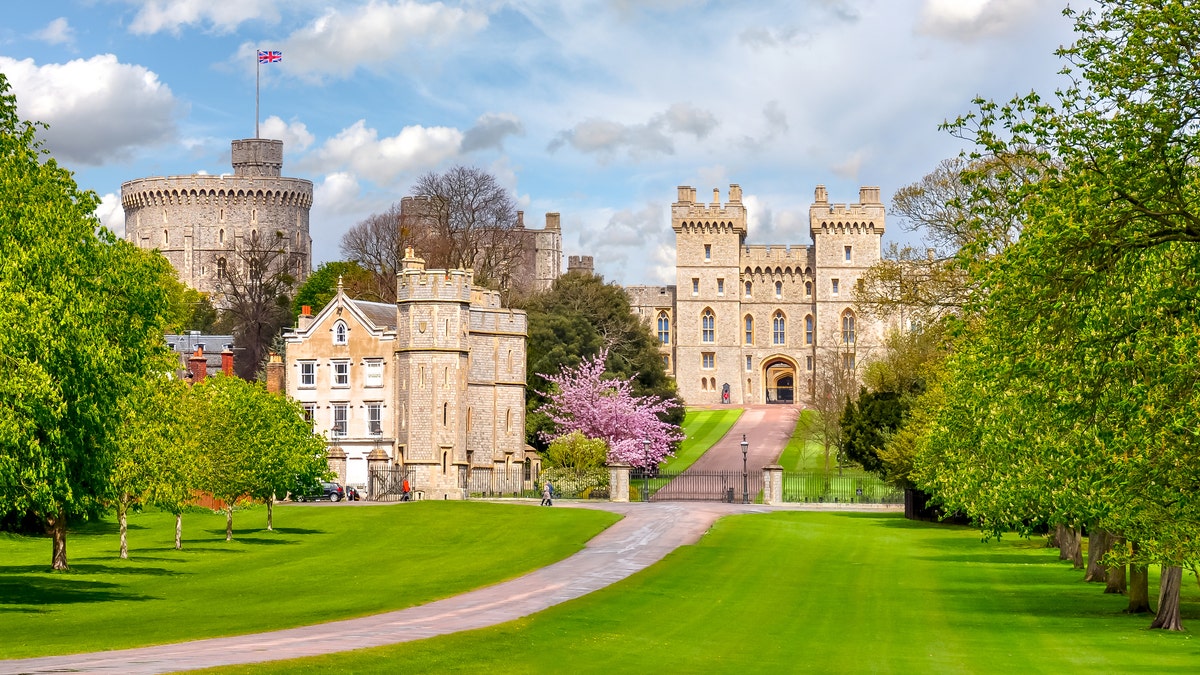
(547, 494)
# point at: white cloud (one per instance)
(112, 214)
(489, 131)
(373, 35)
(97, 109)
(294, 134)
(849, 167)
(632, 242)
(220, 15)
(969, 19)
(607, 137)
(57, 32)
(359, 148)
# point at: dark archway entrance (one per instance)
(779, 380)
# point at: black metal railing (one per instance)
(387, 485)
(849, 486)
(695, 486)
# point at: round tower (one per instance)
(199, 221)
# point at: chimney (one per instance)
(227, 360)
(306, 318)
(198, 366)
(520, 220)
(275, 373)
(553, 221)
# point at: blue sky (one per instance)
(596, 109)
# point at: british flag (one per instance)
(269, 57)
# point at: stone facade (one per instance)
(436, 382)
(754, 323)
(198, 221)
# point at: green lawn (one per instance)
(816, 592)
(322, 562)
(802, 454)
(703, 428)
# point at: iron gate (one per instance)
(696, 486)
(387, 485)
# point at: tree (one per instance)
(583, 400)
(228, 469)
(320, 286)
(255, 290)
(578, 317)
(377, 244)
(282, 449)
(838, 381)
(466, 219)
(80, 324)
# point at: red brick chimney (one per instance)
(227, 361)
(275, 373)
(198, 366)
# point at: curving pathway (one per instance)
(646, 534)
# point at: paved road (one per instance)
(767, 428)
(646, 534)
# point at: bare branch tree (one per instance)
(377, 243)
(254, 290)
(836, 385)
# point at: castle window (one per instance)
(339, 333)
(749, 363)
(339, 419)
(808, 330)
(720, 287)
(708, 323)
(808, 363)
(445, 414)
(834, 286)
(749, 329)
(510, 361)
(221, 268)
(308, 374)
(748, 285)
(779, 328)
(848, 257)
(666, 362)
(808, 288)
(708, 360)
(848, 327)
(374, 419)
(221, 237)
(779, 289)
(310, 413)
(848, 361)
(704, 384)
(508, 420)
(468, 419)
(664, 328)
(374, 374)
(707, 252)
(341, 373)
(166, 237)
(695, 287)
(421, 375)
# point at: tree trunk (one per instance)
(1052, 539)
(1098, 543)
(229, 523)
(1070, 546)
(270, 505)
(1168, 599)
(1139, 586)
(1115, 578)
(1062, 541)
(122, 512)
(56, 527)
(179, 531)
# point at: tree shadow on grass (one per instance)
(103, 527)
(27, 589)
(79, 569)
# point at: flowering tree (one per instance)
(582, 400)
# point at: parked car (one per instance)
(331, 491)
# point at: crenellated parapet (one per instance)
(206, 191)
(692, 217)
(865, 217)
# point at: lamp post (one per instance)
(646, 470)
(745, 473)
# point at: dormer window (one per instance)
(339, 333)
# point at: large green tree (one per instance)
(80, 323)
(579, 316)
(1074, 400)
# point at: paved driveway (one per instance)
(767, 428)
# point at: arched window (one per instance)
(339, 333)
(508, 420)
(166, 237)
(779, 328)
(708, 322)
(808, 330)
(221, 237)
(704, 384)
(445, 414)
(779, 289)
(748, 287)
(848, 327)
(221, 268)
(749, 329)
(664, 328)
(808, 288)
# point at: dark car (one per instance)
(331, 491)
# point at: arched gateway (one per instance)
(779, 380)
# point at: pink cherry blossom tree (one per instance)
(583, 400)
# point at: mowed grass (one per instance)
(322, 562)
(802, 454)
(816, 592)
(702, 428)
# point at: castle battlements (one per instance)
(209, 190)
(689, 215)
(763, 254)
(865, 217)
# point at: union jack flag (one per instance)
(269, 57)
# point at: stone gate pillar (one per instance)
(772, 484)
(337, 463)
(618, 482)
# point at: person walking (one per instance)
(547, 494)
(407, 490)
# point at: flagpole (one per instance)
(257, 68)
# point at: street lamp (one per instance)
(745, 474)
(646, 470)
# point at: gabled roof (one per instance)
(381, 314)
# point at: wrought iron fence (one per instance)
(850, 486)
(387, 485)
(507, 481)
(695, 486)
